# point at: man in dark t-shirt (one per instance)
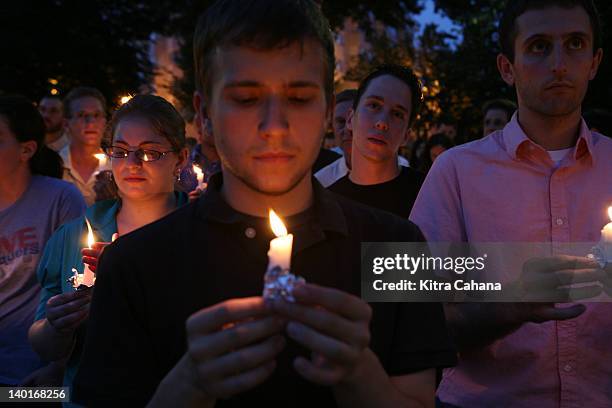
(395, 196)
(385, 107)
(177, 317)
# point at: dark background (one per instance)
(104, 44)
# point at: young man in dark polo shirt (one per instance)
(177, 317)
(387, 103)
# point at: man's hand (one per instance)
(607, 278)
(194, 195)
(67, 311)
(51, 375)
(334, 325)
(232, 346)
(91, 255)
(547, 281)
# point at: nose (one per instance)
(132, 160)
(381, 124)
(273, 118)
(559, 60)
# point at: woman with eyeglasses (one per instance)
(145, 141)
(34, 202)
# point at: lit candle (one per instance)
(124, 99)
(200, 176)
(606, 238)
(101, 162)
(280, 247)
(88, 276)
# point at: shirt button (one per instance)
(559, 221)
(567, 368)
(250, 232)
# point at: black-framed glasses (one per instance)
(145, 155)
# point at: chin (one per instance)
(276, 184)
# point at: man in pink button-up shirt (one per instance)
(543, 178)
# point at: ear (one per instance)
(349, 119)
(505, 68)
(595, 65)
(28, 149)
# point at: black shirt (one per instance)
(325, 158)
(151, 280)
(396, 196)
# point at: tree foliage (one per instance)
(469, 75)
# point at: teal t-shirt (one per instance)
(63, 252)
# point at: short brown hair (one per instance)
(348, 95)
(500, 104)
(82, 92)
(404, 74)
(160, 113)
(263, 25)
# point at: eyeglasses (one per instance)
(145, 155)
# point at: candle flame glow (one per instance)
(125, 99)
(610, 212)
(198, 172)
(277, 225)
(90, 236)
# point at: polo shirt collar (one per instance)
(328, 213)
(515, 140)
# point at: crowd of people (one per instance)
(176, 315)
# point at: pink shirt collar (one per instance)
(518, 144)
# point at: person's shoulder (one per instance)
(483, 147)
(371, 224)
(56, 187)
(53, 184)
(66, 233)
(156, 235)
(602, 142)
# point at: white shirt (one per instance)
(86, 187)
(333, 172)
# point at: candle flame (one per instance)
(199, 173)
(610, 212)
(277, 225)
(125, 99)
(90, 236)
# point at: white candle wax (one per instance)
(280, 247)
(88, 275)
(280, 252)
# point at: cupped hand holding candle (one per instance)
(91, 255)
